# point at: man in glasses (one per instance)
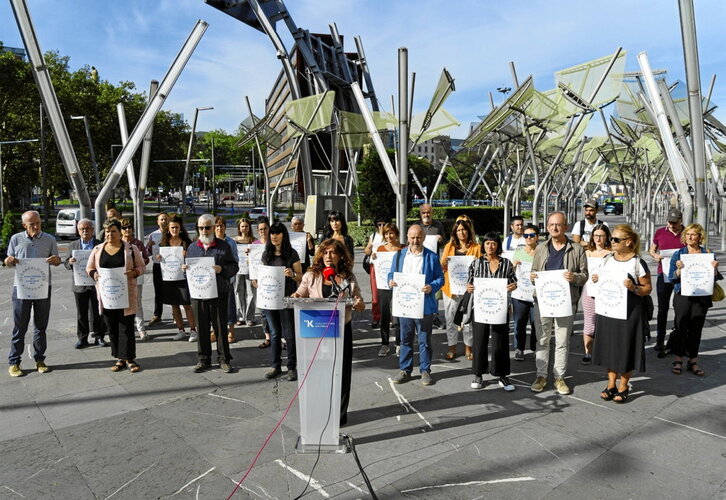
(434, 238)
(298, 226)
(559, 252)
(86, 299)
(665, 241)
(212, 313)
(583, 229)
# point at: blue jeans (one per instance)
(21, 317)
(422, 329)
(282, 325)
(523, 311)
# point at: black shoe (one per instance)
(664, 353)
(272, 373)
(100, 343)
(437, 323)
(292, 375)
(82, 344)
(658, 347)
(375, 325)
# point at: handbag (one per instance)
(367, 264)
(718, 293)
(464, 311)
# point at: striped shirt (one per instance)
(480, 269)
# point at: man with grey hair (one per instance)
(85, 296)
(297, 224)
(28, 244)
(212, 313)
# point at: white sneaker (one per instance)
(398, 350)
(193, 336)
(143, 336)
(505, 384)
(179, 336)
(477, 383)
(383, 351)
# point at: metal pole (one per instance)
(185, 178)
(144, 168)
(43, 172)
(214, 183)
(693, 81)
(402, 138)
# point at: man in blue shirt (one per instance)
(31, 243)
(416, 259)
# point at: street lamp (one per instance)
(189, 157)
(2, 199)
(94, 165)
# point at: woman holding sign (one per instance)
(491, 265)
(619, 343)
(523, 304)
(244, 295)
(458, 254)
(690, 309)
(392, 245)
(332, 254)
(598, 247)
(103, 264)
(279, 252)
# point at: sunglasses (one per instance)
(126, 227)
(206, 228)
(617, 240)
(530, 235)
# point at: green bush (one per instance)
(360, 234)
(9, 228)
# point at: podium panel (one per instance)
(319, 398)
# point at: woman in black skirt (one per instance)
(619, 343)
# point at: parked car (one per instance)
(613, 208)
(257, 212)
(66, 221)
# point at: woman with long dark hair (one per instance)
(598, 247)
(337, 229)
(244, 295)
(279, 252)
(392, 244)
(332, 253)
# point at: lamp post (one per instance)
(2, 198)
(189, 157)
(94, 165)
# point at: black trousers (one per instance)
(158, 283)
(212, 313)
(387, 321)
(347, 372)
(120, 333)
(664, 291)
(690, 317)
(500, 349)
(87, 307)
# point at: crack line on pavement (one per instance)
(314, 483)
(692, 428)
(225, 397)
(547, 450)
(192, 481)
(215, 415)
(8, 488)
(404, 402)
(472, 483)
(131, 481)
(590, 403)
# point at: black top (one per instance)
(327, 290)
(109, 261)
(556, 259)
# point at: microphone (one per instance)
(329, 273)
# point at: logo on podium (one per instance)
(313, 323)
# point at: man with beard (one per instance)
(432, 227)
(582, 230)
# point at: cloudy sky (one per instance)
(136, 40)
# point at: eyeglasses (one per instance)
(530, 235)
(122, 227)
(206, 228)
(617, 240)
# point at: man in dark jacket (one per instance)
(86, 295)
(212, 313)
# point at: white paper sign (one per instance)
(80, 276)
(270, 287)
(172, 259)
(697, 275)
(31, 278)
(525, 288)
(666, 262)
(299, 242)
(113, 287)
(244, 267)
(458, 269)
(508, 254)
(553, 294)
(255, 259)
(490, 301)
(201, 278)
(156, 238)
(408, 299)
(432, 242)
(612, 296)
(593, 267)
(382, 266)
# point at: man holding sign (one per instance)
(212, 313)
(433, 240)
(30, 244)
(417, 260)
(558, 253)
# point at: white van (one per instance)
(65, 222)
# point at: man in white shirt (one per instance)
(516, 239)
(582, 229)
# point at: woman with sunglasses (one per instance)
(598, 247)
(279, 252)
(116, 253)
(375, 240)
(244, 294)
(392, 244)
(523, 310)
(462, 242)
(337, 228)
(619, 344)
(176, 293)
(690, 311)
(127, 235)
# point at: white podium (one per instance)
(319, 398)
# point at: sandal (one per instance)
(469, 353)
(677, 367)
(608, 393)
(212, 337)
(231, 339)
(120, 365)
(623, 395)
(133, 367)
(693, 367)
(451, 354)
(265, 344)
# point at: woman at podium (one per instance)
(331, 274)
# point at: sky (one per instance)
(137, 40)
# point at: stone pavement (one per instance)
(83, 432)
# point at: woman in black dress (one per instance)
(337, 229)
(619, 344)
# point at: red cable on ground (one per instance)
(294, 397)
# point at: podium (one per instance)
(319, 398)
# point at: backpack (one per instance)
(582, 226)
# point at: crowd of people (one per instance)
(617, 345)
